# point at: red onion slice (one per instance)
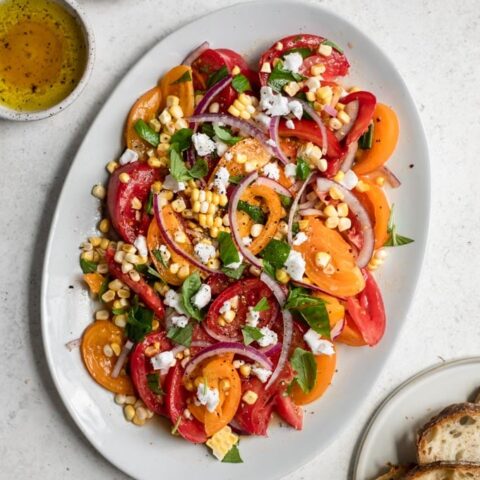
(391, 178)
(316, 118)
(171, 243)
(349, 157)
(330, 110)
(194, 54)
(273, 130)
(354, 205)
(272, 350)
(274, 185)
(122, 358)
(73, 344)
(229, 347)
(352, 110)
(210, 94)
(311, 212)
(276, 289)
(293, 208)
(337, 329)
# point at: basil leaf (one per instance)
(118, 311)
(181, 336)
(207, 129)
(190, 287)
(232, 456)
(295, 228)
(153, 383)
(236, 179)
(276, 253)
(158, 255)
(251, 334)
(182, 138)
(228, 251)
(333, 45)
(149, 204)
(225, 135)
(153, 273)
(199, 169)
(268, 268)
(177, 167)
(394, 239)
(235, 273)
(139, 322)
(216, 76)
(365, 142)
(87, 266)
(262, 305)
(303, 170)
(305, 366)
(147, 133)
(103, 286)
(303, 51)
(285, 201)
(241, 83)
(185, 77)
(254, 212)
(280, 77)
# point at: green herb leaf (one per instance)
(178, 170)
(305, 366)
(147, 133)
(333, 45)
(149, 204)
(365, 142)
(103, 286)
(87, 266)
(285, 201)
(225, 135)
(254, 212)
(158, 255)
(251, 334)
(216, 76)
(241, 83)
(235, 273)
(153, 383)
(182, 138)
(268, 268)
(232, 456)
(276, 253)
(139, 322)
(303, 170)
(236, 179)
(118, 311)
(199, 169)
(153, 273)
(181, 336)
(190, 287)
(280, 77)
(185, 77)
(394, 239)
(303, 51)
(262, 305)
(295, 228)
(207, 129)
(228, 251)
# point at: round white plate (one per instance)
(144, 453)
(391, 432)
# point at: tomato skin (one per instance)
(176, 402)
(140, 367)
(289, 412)
(218, 282)
(366, 107)
(141, 288)
(120, 196)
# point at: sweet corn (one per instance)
(127, 247)
(339, 176)
(172, 101)
(245, 99)
(211, 209)
(196, 207)
(222, 442)
(108, 296)
(120, 321)
(167, 194)
(303, 225)
(342, 209)
(156, 187)
(233, 111)
(124, 177)
(154, 162)
(245, 370)
(331, 222)
(165, 138)
(214, 263)
(102, 315)
(322, 259)
(129, 412)
(136, 203)
(195, 195)
(335, 193)
(325, 94)
(120, 399)
(362, 186)
(344, 224)
(184, 272)
(107, 350)
(218, 222)
(380, 181)
(223, 200)
(282, 276)
(221, 321)
(208, 196)
(174, 268)
(236, 70)
(256, 230)
(105, 242)
(209, 220)
(181, 123)
(112, 166)
(102, 268)
(119, 256)
(116, 348)
(124, 293)
(238, 105)
(310, 96)
(214, 107)
(139, 423)
(202, 219)
(104, 226)
(343, 116)
(155, 125)
(330, 211)
(115, 285)
(229, 316)
(240, 157)
(226, 220)
(132, 258)
(266, 68)
(178, 205)
(335, 123)
(325, 50)
(165, 117)
(214, 231)
(245, 115)
(322, 165)
(98, 191)
(250, 397)
(130, 399)
(176, 111)
(126, 267)
(292, 88)
(134, 275)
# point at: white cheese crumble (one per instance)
(141, 245)
(170, 183)
(179, 320)
(273, 104)
(228, 156)
(292, 62)
(269, 337)
(252, 318)
(350, 180)
(247, 241)
(317, 344)
(203, 144)
(221, 147)
(174, 300)
(296, 108)
(208, 396)
(163, 361)
(226, 307)
(204, 251)
(263, 119)
(202, 298)
(300, 238)
(313, 84)
(261, 373)
(289, 124)
(128, 156)
(295, 265)
(235, 265)
(291, 170)
(164, 253)
(271, 170)
(222, 177)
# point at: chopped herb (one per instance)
(394, 239)
(365, 142)
(295, 228)
(149, 204)
(216, 76)
(147, 133)
(305, 366)
(251, 334)
(333, 45)
(232, 456)
(262, 305)
(235, 273)
(241, 83)
(139, 322)
(178, 170)
(186, 77)
(103, 286)
(153, 382)
(276, 253)
(199, 169)
(303, 51)
(207, 129)
(280, 77)
(118, 311)
(285, 201)
(228, 251)
(254, 212)
(153, 273)
(225, 135)
(158, 255)
(190, 287)
(303, 170)
(268, 268)
(236, 179)
(177, 424)
(87, 266)
(181, 336)
(182, 138)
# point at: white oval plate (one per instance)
(145, 452)
(391, 432)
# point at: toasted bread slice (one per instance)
(396, 472)
(452, 436)
(444, 471)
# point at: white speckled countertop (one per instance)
(434, 44)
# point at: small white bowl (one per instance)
(79, 15)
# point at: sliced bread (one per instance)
(452, 436)
(444, 471)
(395, 472)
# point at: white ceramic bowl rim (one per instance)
(23, 116)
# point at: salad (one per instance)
(242, 224)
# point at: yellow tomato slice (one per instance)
(178, 82)
(94, 281)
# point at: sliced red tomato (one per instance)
(176, 401)
(336, 65)
(218, 282)
(366, 107)
(367, 311)
(288, 411)
(249, 293)
(120, 196)
(141, 367)
(141, 288)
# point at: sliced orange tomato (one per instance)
(376, 203)
(347, 280)
(145, 108)
(100, 367)
(94, 281)
(351, 336)
(155, 240)
(218, 373)
(385, 137)
(178, 82)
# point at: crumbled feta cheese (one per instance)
(204, 251)
(203, 144)
(208, 396)
(289, 124)
(164, 253)
(291, 170)
(228, 156)
(350, 180)
(226, 307)
(252, 318)
(222, 177)
(261, 373)
(179, 320)
(292, 62)
(235, 265)
(313, 84)
(317, 344)
(296, 108)
(295, 265)
(263, 119)
(269, 337)
(174, 300)
(202, 298)
(128, 156)
(141, 244)
(163, 361)
(271, 170)
(247, 241)
(221, 147)
(170, 183)
(299, 238)
(273, 104)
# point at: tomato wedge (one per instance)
(350, 334)
(141, 288)
(100, 367)
(366, 106)
(289, 411)
(175, 82)
(141, 367)
(124, 218)
(249, 293)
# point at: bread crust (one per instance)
(443, 467)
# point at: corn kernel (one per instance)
(174, 268)
(116, 348)
(317, 69)
(124, 177)
(292, 88)
(211, 209)
(172, 101)
(104, 225)
(178, 205)
(156, 187)
(155, 125)
(303, 225)
(208, 196)
(330, 211)
(202, 220)
(236, 70)
(115, 285)
(256, 230)
(245, 370)
(214, 263)
(229, 316)
(102, 315)
(154, 162)
(184, 272)
(195, 195)
(380, 181)
(214, 231)
(250, 397)
(98, 191)
(130, 399)
(102, 268)
(112, 166)
(165, 117)
(331, 222)
(233, 111)
(335, 123)
(120, 320)
(325, 50)
(344, 224)
(310, 96)
(245, 99)
(336, 194)
(344, 117)
(324, 93)
(322, 165)
(362, 186)
(322, 259)
(245, 115)
(223, 200)
(222, 442)
(108, 296)
(176, 111)
(266, 68)
(214, 107)
(134, 275)
(339, 176)
(342, 209)
(239, 105)
(107, 350)
(129, 412)
(282, 276)
(124, 293)
(167, 194)
(165, 138)
(209, 220)
(126, 267)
